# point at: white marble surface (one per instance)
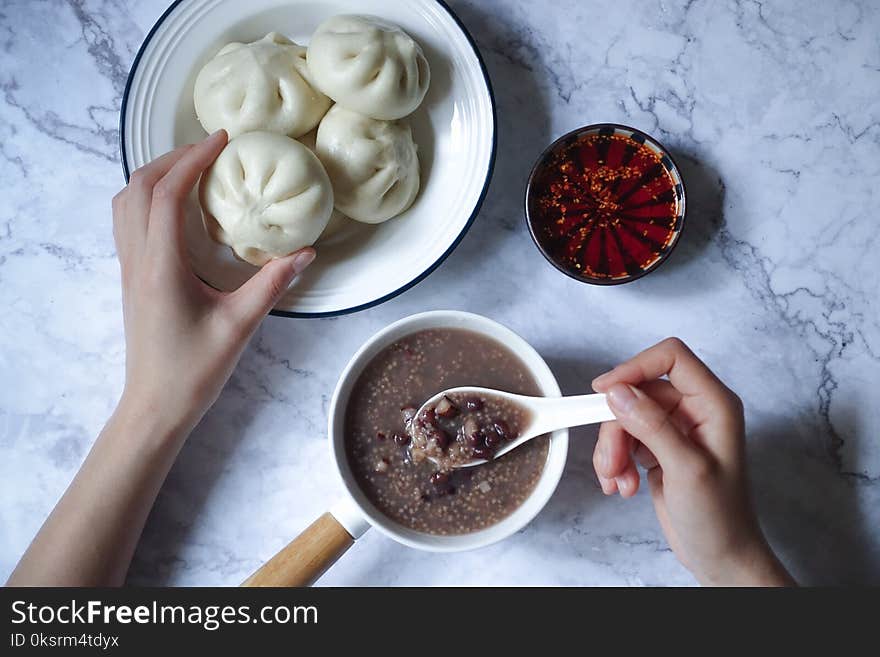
(773, 110)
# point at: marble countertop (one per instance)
(771, 108)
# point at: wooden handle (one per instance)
(305, 558)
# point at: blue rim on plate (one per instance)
(427, 272)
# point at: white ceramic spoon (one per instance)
(545, 414)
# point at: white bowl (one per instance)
(455, 129)
(359, 505)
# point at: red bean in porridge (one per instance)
(460, 428)
(411, 489)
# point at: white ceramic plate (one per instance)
(454, 128)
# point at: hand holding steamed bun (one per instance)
(262, 85)
(369, 66)
(266, 196)
(373, 164)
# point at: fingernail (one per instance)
(621, 398)
(622, 484)
(303, 260)
(598, 380)
(216, 135)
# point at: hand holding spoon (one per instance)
(463, 427)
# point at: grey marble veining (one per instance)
(771, 108)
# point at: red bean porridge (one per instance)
(411, 489)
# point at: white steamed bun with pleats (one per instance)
(266, 196)
(259, 86)
(373, 164)
(368, 65)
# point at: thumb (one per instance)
(253, 300)
(648, 422)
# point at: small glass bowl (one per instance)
(614, 227)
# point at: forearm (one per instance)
(90, 537)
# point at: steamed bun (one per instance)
(337, 227)
(369, 66)
(266, 196)
(259, 86)
(373, 164)
(338, 222)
